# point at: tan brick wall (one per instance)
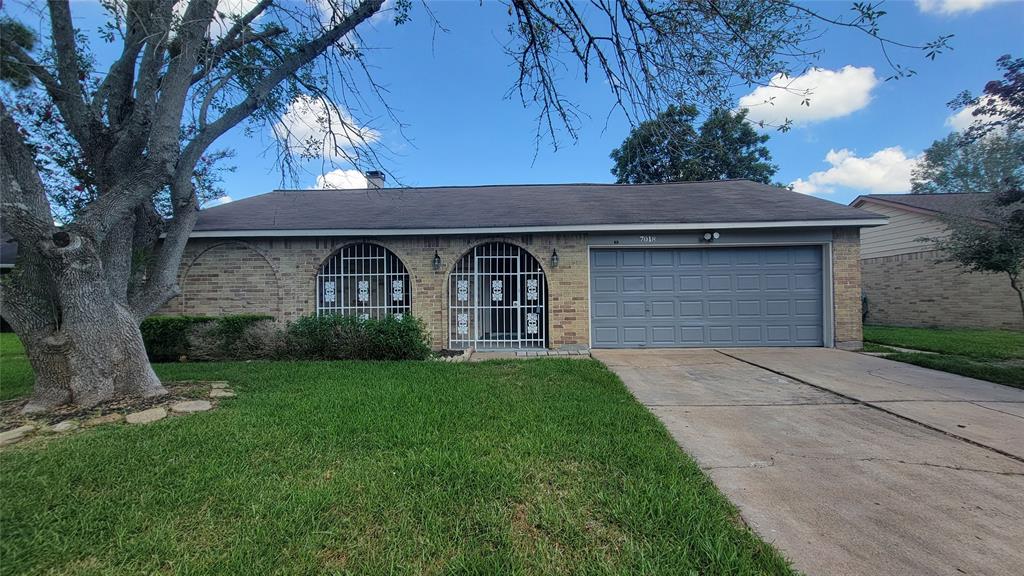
(220, 278)
(278, 275)
(917, 290)
(846, 288)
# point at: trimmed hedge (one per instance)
(336, 337)
(169, 338)
(255, 336)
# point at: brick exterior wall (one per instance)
(916, 289)
(846, 288)
(278, 276)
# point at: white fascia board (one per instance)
(538, 229)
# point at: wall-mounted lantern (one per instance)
(437, 261)
(554, 258)
(710, 236)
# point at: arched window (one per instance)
(365, 280)
(497, 299)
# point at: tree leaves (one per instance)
(669, 149)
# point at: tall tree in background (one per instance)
(958, 164)
(988, 157)
(669, 149)
(185, 72)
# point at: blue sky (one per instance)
(449, 90)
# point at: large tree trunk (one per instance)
(90, 363)
(81, 338)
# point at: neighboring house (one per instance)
(729, 263)
(904, 280)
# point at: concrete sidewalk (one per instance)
(839, 485)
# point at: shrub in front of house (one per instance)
(336, 337)
(233, 337)
(167, 338)
(236, 337)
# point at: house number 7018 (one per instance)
(648, 239)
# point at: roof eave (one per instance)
(840, 223)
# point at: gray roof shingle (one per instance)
(523, 206)
(964, 204)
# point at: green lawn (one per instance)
(532, 467)
(993, 355)
(15, 372)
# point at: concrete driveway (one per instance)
(850, 464)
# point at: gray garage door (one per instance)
(757, 296)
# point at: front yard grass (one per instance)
(15, 371)
(993, 355)
(544, 466)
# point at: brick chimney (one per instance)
(375, 179)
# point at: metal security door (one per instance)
(497, 300)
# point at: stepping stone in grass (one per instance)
(221, 393)
(219, 385)
(191, 406)
(147, 416)
(65, 426)
(15, 435)
(111, 418)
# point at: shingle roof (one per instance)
(965, 204)
(573, 206)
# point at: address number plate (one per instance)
(650, 239)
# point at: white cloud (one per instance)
(313, 128)
(953, 6)
(815, 96)
(227, 12)
(963, 119)
(219, 200)
(885, 171)
(341, 179)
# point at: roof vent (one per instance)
(375, 180)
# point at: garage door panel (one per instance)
(605, 309)
(719, 308)
(748, 308)
(606, 284)
(807, 307)
(720, 335)
(662, 258)
(604, 259)
(634, 310)
(691, 309)
(806, 281)
(606, 336)
(808, 333)
(749, 335)
(779, 334)
(663, 284)
(663, 309)
(634, 335)
(719, 282)
(663, 335)
(691, 283)
(748, 282)
(633, 258)
(776, 307)
(750, 296)
(806, 255)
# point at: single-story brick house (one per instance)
(725, 263)
(904, 280)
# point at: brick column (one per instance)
(846, 291)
